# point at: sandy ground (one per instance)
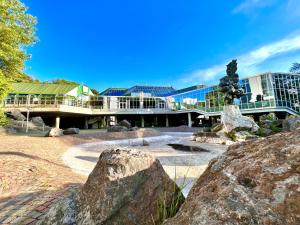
(35, 163)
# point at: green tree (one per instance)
(95, 92)
(17, 31)
(295, 68)
(61, 81)
(229, 84)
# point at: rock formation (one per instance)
(291, 124)
(54, 132)
(125, 188)
(254, 182)
(232, 118)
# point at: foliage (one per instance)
(295, 68)
(4, 89)
(61, 81)
(215, 98)
(261, 132)
(270, 117)
(95, 92)
(165, 210)
(232, 135)
(229, 84)
(3, 119)
(17, 30)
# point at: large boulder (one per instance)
(232, 119)
(126, 187)
(38, 121)
(70, 131)
(125, 123)
(117, 128)
(291, 124)
(17, 115)
(55, 132)
(254, 182)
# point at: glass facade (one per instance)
(265, 91)
(270, 90)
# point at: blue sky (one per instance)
(180, 43)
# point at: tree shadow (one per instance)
(21, 154)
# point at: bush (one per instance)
(232, 135)
(3, 119)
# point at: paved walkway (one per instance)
(28, 208)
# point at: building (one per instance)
(154, 106)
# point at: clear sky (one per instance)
(119, 43)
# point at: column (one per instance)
(167, 120)
(86, 125)
(57, 122)
(142, 121)
(189, 119)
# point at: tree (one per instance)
(17, 31)
(61, 81)
(95, 92)
(229, 84)
(295, 68)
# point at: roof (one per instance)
(195, 87)
(46, 89)
(153, 90)
(114, 92)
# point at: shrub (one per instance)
(231, 135)
(165, 210)
(3, 119)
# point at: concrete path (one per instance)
(182, 166)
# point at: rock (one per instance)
(254, 182)
(117, 128)
(71, 131)
(55, 132)
(291, 124)
(145, 143)
(38, 121)
(17, 115)
(125, 123)
(125, 187)
(216, 127)
(244, 136)
(263, 132)
(232, 118)
(133, 128)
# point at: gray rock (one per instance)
(232, 119)
(125, 123)
(254, 182)
(71, 131)
(37, 121)
(125, 188)
(55, 132)
(216, 127)
(117, 128)
(17, 115)
(133, 128)
(291, 124)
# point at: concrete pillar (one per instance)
(189, 119)
(167, 120)
(142, 121)
(57, 122)
(86, 125)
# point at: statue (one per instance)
(229, 84)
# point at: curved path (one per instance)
(182, 166)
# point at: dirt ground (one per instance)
(33, 176)
(36, 162)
